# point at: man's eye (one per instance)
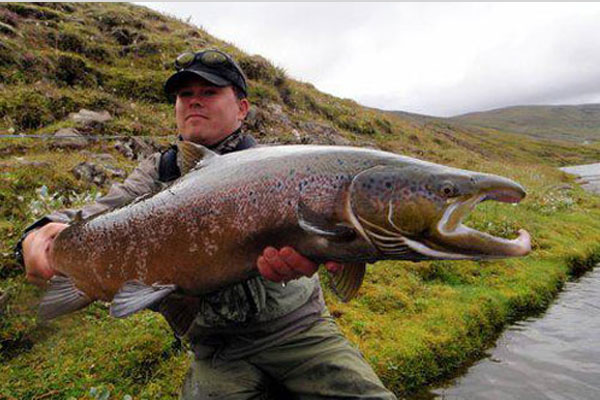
(185, 93)
(209, 92)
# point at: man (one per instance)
(247, 337)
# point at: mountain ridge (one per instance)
(571, 122)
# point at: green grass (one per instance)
(415, 322)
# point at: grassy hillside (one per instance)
(415, 323)
(576, 123)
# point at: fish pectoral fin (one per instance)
(314, 223)
(347, 282)
(61, 298)
(134, 296)
(190, 154)
(179, 311)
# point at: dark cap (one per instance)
(212, 65)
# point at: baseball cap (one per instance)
(213, 65)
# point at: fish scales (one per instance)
(224, 201)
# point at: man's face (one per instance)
(207, 114)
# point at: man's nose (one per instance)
(196, 101)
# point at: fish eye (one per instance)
(447, 189)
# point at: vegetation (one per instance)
(415, 322)
(572, 123)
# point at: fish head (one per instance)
(416, 212)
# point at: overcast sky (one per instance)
(438, 59)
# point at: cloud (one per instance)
(432, 58)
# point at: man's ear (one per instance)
(244, 105)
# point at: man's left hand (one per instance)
(286, 264)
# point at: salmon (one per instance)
(206, 230)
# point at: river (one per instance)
(555, 356)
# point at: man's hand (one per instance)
(287, 264)
(36, 250)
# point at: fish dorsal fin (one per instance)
(134, 296)
(314, 223)
(346, 283)
(190, 154)
(61, 298)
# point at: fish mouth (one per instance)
(450, 238)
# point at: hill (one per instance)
(577, 123)
(415, 323)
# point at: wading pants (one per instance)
(318, 363)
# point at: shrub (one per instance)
(259, 68)
(73, 70)
(28, 109)
(31, 11)
(8, 17)
(70, 41)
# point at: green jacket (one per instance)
(252, 312)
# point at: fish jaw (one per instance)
(451, 239)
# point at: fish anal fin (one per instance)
(314, 223)
(190, 154)
(348, 281)
(135, 296)
(179, 311)
(62, 297)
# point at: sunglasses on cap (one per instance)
(208, 58)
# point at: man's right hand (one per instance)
(36, 252)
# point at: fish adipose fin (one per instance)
(61, 298)
(190, 154)
(134, 296)
(314, 223)
(346, 283)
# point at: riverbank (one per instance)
(416, 323)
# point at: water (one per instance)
(589, 176)
(555, 356)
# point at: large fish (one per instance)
(206, 231)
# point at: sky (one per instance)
(440, 59)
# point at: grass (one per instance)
(415, 322)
